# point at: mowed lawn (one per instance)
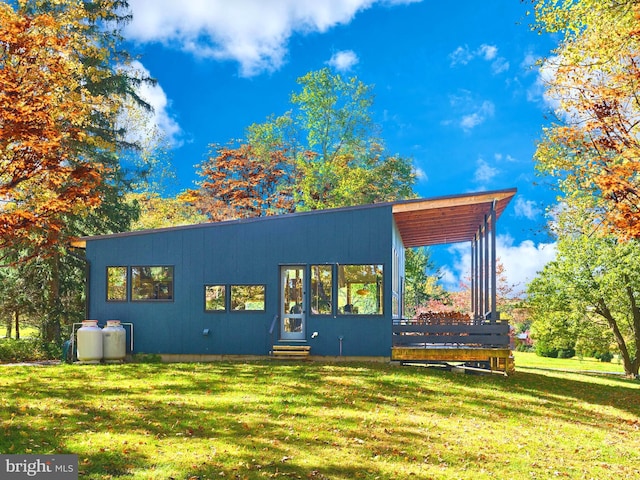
(322, 421)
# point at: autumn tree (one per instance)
(325, 152)
(244, 182)
(63, 83)
(459, 300)
(60, 92)
(593, 80)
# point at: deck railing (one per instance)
(435, 330)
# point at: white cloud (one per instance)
(253, 33)
(485, 111)
(526, 208)
(484, 172)
(522, 262)
(472, 120)
(449, 278)
(143, 125)
(463, 55)
(420, 174)
(343, 61)
(500, 65)
(507, 158)
(488, 52)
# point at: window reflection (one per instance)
(360, 289)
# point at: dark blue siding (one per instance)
(246, 252)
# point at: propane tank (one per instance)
(90, 342)
(114, 341)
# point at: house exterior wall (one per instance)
(247, 252)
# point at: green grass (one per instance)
(531, 360)
(322, 421)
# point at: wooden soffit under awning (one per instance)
(443, 220)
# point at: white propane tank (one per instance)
(114, 341)
(90, 342)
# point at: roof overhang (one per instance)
(445, 220)
(422, 222)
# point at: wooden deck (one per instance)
(496, 359)
(438, 338)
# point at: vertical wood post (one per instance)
(480, 272)
(494, 266)
(486, 265)
(473, 275)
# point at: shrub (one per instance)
(521, 347)
(544, 350)
(566, 353)
(604, 357)
(27, 350)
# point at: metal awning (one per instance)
(450, 219)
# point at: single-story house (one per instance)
(328, 282)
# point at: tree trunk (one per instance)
(635, 364)
(17, 319)
(51, 327)
(627, 362)
(9, 325)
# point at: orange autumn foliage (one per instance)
(239, 183)
(44, 109)
(596, 151)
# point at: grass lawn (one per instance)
(322, 421)
(531, 360)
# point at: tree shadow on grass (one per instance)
(266, 417)
(597, 403)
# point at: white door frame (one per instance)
(293, 308)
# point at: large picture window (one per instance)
(248, 297)
(214, 298)
(360, 289)
(117, 284)
(321, 289)
(151, 283)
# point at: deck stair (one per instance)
(291, 352)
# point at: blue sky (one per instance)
(455, 83)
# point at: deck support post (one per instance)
(481, 273)
(494, 266)
(487, 272)
(474, 253)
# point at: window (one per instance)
(247, 297)
(151, 283)
(360, 289)
(214, 298)
(117, 284)
(321, 289)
